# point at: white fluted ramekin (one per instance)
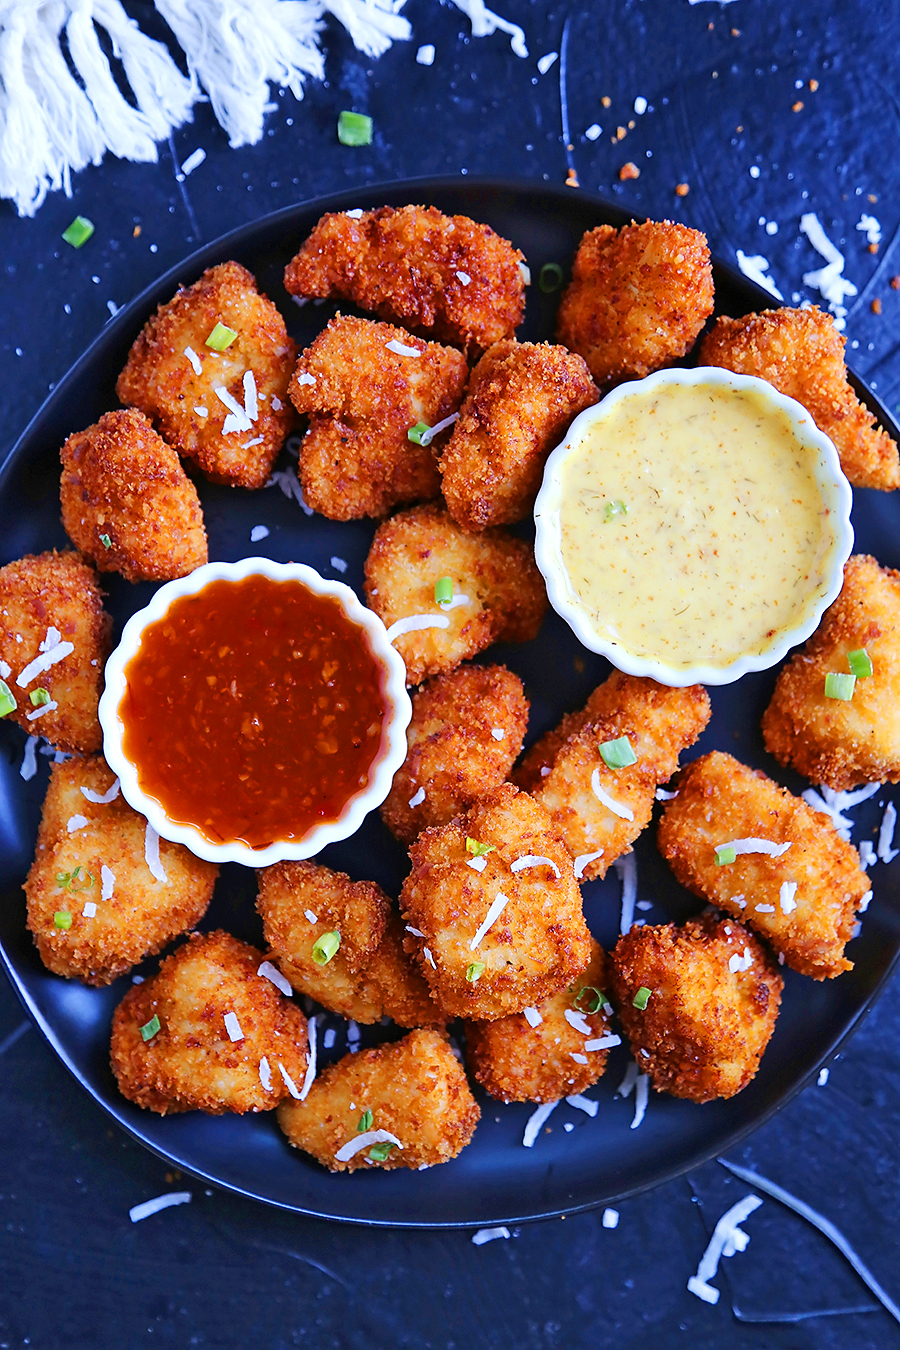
(836, 494)
(391, 754)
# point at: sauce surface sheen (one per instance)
(253, 710)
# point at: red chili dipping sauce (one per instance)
(253, 710)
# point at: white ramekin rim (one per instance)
(836, 492)
(393, 743)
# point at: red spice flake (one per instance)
(572, 179)
(606, 100)
(621, 133)
(872, 197)
(797, 107)
(813, 85)
(873, 248)
(629, 170)
(735, 32)
(136, 232)
(875, 306)
(682, 189)
(631, 125)
(895, 283)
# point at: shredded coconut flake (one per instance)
(585, 1104)
(416, 932)
(418, 799)
(355, 214)
(865, 902)
(143, 1211)
(193, 161)
(535, 1121)
(628, 1082)
(265, 1074)
(487, 1234)
(737, 963)
(251, 404)
(755, 266)
(289, 483)
(579, 1059)
(75, 823)
(641, 1095)
(886, 834)
(728, 1237)
(626, 867)
(787, 896)
(476, 864)
(427, 437)
(274, 976)
(498, 733)
(545, 62)
(534, 860)
(603, 1043)
(361, 1141)
(401, 349)
(195, 362)
(238, 415)
(663, 795)
(610, 1218)
(485, 22)
(312, 918)
(753, 845)
(151, 854)
(288, 1081)
(39, 712)
(416, 623)
(525, 273)
(822, 1078)
(257, 440)
(426, 952)
(532, 1017)
(259, 532)
(497, 906)
(29, 760)
(338, 564)
(102, 798)
(202, 412)
(765, 909)
(830, 279)
(867, 854)
(593, 132)
(329, 1038)
(463, 278)
(623, 812)
(233, 1027)
(584, 859)
(90, 909)
(425, 57)
(5, 670)
(578, 1021)
(309, 1076)
(49, 655)
(107, 883)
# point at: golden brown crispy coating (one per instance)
(369, 977)
(141, 915)
(362, 398)
(43, 595)
(121, 482)
(659, 722)
(517, 1062)
(538, 942)
(714, 996)
(844, 743)
(521, 398)
(505, 595)
(466, 731)
(446, 277)
(719, 800)
(191, 1063)
(160, 380)
(638, 298)
(801, 353)
(415, 1090)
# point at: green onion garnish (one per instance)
(354, 129)
(79, 232)
(596, 999)
(613, 509)
(725, 854)
(474, 971)
(860, 663)
(365, 1122)
(618, 754)
(106, 541)
(380, 1151)
(78, 880)
(417, 432)
(149, 1029)
(325, 947)
(221, 337)
(39, 698)
(839, 686)
(62, 919)
(443, 590)
(7, 702)
(478, 850)
(641, 998)
(550, 278)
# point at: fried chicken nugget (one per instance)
(173, 377)
(804, 901)
(362, 398)
(466, 731)
(568, 775)
(128, 504)
(496, 940)
(196, 1060)
(714, 994)
(638, 298)
(369, 977)
(446, 277)
(420, 1104)
(801, 353)
(54, 636)
(94, 908)
(498, 592)
(518, 1062)
(844, 743)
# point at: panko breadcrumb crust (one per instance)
(161, 381)
(55, 590)
(122, 483)
(638, 298)
(415, 1090)
(801, 353)
(719, 799)
(191, 1064)
(844, 742)
(705, 1026)
(446, 277)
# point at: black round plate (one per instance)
(495, 1180)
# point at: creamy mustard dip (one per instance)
(693, 529)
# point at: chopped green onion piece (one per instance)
(839, 686)
(79, 232)
(417, 432)
(62, 919)
(550, 278)
(221, 337)
(860, 663)
(39, 698)
(365, 1122)
(7, 702)
(380, 1151)
(106, 541)
(443, 590)
(642, 998)
(478, 850)
(149, 1029)
(474, 971)
(613, 509)
(725, 855)
(78, 880)
(597, 1000)
(325, 947)
(618, 754)
(354, 129)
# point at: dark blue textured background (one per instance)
(222, 1272)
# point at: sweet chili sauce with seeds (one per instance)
(253, 710)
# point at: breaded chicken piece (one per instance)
(844, 743)
(363, 398)
(638, 298)
(521, 398)
(418, 1097)
(518, 1062)
(369, 977)
(127, 503)
(803, 902)
(659, 723)
(90, 872)
(198, 1061)
(713, 999)
(52, 607)
(505, 598)
(801, 353)
(536, 942)
(253, 371)
(467, 729)
(446, 277)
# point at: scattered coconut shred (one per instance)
(416, 623)
(753, 845)
(834, 804)
(828, 280)
(148, 1207)
(535, 1121)
(353, 1146)
(151, 855)
(101, 798)
(728, 1237)
(489, 1235)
